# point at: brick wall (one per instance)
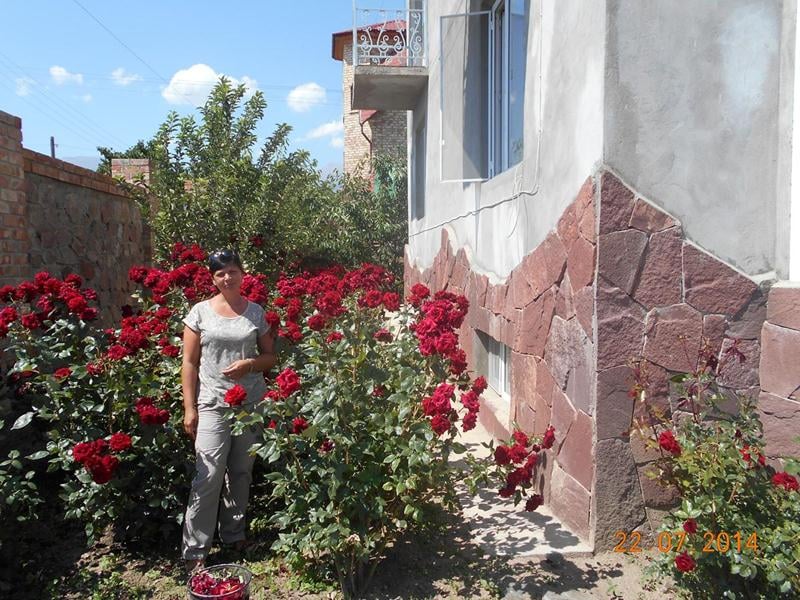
(65, 219)
(385, 131)
(13, 229)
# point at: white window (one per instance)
(483, 60)
(494, 362)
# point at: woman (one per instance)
(226, 342)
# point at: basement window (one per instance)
(493, 360)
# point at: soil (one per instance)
(440, 563)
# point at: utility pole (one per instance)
(52, 147)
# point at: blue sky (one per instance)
(98, 73)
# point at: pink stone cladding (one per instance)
(615, 281)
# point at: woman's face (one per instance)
(228, 278)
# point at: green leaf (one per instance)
(23, 420)
(38, 455)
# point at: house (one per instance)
(606, 181)
(369, 132)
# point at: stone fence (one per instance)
(61, 218)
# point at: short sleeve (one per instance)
(192, 320)
(261, 322)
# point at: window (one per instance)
(508, 49)
(494, 362)
(483, 60)
(418, 174)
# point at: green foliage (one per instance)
(97, 398)
(747, 525)
(213, 187)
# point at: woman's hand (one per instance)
(238, 368)
(190, 418)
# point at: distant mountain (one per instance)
(87, 162)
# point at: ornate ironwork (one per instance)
(389, 37)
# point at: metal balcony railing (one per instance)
(389, 37)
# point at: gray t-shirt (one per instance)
(224, 340)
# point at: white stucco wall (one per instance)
(500, 220)
(692, 118)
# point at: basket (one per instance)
(220, 582)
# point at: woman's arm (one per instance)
(190, 369)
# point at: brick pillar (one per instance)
(14, 244)
(137, 171)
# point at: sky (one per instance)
(98, 73)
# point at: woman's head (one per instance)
(224, 258)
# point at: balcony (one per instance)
(390, 67)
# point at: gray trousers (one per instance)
(223, 472)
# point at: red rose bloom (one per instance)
(391, 301)
(502, 455)
(62, 373)
(81, 451)
(31, 321)
(684, 562)
(668, 442)
(170, 350)
(520, 438)
(786, 481)
(316, 322)
(469, 421)
(119, 442)
(299, 425)
(440, 424)
(288, 382)
(382, 335)
(333, 336)
(534, 502)
(236, 395)
(549, 437)
(273, 319)
(690, 526)
(518, 453)
(326, 446)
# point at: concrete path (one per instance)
(502, 529)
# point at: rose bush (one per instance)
(735, 533)
(358, 423)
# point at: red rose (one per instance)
(299, 425)
(119, 442)
(520, 438)
(62, 373)
(31, 321)
(549, 437)
(326, 446)
(94, 368)
(103, 470)
(786, 481)
(534, 502)
(81, 451)
(502, 455)
(518, 477)
(288, 382)
(236, 395)
(273, 319)
(333, 336)
(690, 526)
(684, 563)
(316, 322)
(170, 350)
(506, 492)
(137, 274)
(479, 385)
(668, 442)
(372, 299)
(518, 453)
(382, 335)
(469, 421)
(391, 301)
(440, 424)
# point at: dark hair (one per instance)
(222, 258)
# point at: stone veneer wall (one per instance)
(614, 281)
(779, 402)
(543, 312)
(658, 297)
(66, 219)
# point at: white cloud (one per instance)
(86, 98)
(61, 76)
(326, 129)
(120, 77)
(337, 142)
(192, 85)
(24, 85)
(304, 97)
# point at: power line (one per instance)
(59, 106)
(124, 45)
